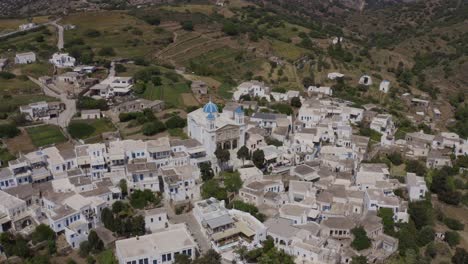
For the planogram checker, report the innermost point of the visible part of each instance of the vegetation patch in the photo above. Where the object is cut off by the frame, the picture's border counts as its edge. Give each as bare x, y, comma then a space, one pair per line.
45, 135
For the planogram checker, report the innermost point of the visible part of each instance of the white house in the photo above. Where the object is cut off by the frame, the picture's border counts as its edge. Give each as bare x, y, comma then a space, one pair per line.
365, 80
320, 90
335, 75
253, 89
62, 60
156, 219
91, 114
384, 86
159, 247
26, 26
25, 58
416, 186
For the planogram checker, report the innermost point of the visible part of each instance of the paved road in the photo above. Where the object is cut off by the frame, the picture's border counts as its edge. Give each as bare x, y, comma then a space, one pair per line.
70, 105
60, 41
17, 31
192, 225
112, 70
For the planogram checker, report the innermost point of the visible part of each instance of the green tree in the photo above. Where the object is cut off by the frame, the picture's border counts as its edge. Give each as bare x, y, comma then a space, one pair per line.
106, 51
241, 251
210, 257
232, 181
42, 233
296, 102
182, 259
152, 128
387, 220
95, 243
258, 158
140, 199
230, 28
9, 131
222, 155
243, 153
452, 238
107, 218
206, 171
460, 256
360, 241
359, 260
85, 249
176, 122
123, 187
275, 256
425, 235
211, 188
431, 250
421, 213
187, 25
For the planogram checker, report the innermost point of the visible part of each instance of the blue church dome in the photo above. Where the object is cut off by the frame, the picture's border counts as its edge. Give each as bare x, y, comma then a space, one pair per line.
210, 108
210, 116
239, 110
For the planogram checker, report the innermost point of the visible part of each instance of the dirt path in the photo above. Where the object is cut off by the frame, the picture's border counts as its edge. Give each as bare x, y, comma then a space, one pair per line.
60, 41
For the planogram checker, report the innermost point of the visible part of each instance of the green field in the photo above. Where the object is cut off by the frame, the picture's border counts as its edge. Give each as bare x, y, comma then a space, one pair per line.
169, 92
90, 128
42, 41
5, 156
127, 35
45, 135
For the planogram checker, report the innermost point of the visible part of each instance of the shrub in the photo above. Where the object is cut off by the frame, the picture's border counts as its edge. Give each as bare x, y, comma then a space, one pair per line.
120, 68
176, 122
152, 128
7, 75
9, 131
453, 224
92, 33
452, 238
80, 130
361, 241
106, 51
187, 25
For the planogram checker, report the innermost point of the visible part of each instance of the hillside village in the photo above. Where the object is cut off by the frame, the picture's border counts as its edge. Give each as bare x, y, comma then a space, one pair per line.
115, 158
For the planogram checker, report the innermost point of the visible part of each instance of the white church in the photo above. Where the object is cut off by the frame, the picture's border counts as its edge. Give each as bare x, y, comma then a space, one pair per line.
213, 129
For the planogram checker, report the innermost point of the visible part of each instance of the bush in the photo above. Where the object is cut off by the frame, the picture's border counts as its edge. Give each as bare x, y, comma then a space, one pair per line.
90, 103
452, 238
187, 25
152, 128
361, 241
395, 158
176, 122
80, 130
42, 233
9, 131
120, 68
92, 33
140, 199
230, 28
106, 51
454, 224
7, 75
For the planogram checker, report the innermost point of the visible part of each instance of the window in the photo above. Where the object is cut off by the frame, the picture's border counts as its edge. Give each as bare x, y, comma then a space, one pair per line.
169, 257
189, 252
164, 258
159, 218
154, 262
145, 261
140, 261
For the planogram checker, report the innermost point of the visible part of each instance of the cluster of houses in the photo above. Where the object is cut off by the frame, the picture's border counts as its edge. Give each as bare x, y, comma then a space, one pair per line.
40, 111
316, 185
68, 186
